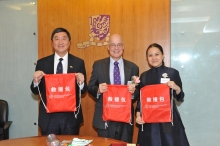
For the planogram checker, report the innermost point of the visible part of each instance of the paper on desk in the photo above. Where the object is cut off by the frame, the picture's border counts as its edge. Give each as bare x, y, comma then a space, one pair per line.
80, 142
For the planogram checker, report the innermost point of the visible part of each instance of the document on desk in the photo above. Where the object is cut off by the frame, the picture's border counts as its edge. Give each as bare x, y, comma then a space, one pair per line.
123, 144
80, 142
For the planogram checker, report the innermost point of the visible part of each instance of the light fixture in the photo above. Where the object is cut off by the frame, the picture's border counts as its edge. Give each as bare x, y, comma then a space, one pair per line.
33, 3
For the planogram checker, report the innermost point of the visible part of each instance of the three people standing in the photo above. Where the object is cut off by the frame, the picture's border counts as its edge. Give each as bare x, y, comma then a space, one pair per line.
153, 134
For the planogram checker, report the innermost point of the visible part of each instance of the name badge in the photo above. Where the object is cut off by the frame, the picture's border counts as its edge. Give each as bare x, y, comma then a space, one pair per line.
164, 80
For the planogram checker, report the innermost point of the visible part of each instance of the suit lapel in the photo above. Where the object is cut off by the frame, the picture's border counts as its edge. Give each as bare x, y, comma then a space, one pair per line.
105, 67
51, 64
70, 64
127, 72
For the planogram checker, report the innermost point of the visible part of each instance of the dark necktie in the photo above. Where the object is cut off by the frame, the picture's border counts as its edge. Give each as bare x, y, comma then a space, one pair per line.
117, 78
60, 66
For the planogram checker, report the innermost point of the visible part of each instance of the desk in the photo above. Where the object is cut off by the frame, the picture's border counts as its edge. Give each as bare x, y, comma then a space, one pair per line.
41, 140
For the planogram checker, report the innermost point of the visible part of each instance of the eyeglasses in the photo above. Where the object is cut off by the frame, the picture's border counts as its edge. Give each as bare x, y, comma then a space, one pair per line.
112, 46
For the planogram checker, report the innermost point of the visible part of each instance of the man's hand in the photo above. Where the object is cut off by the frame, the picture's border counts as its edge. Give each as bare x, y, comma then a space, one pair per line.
131, 88
80, 78
102, 88
38, 75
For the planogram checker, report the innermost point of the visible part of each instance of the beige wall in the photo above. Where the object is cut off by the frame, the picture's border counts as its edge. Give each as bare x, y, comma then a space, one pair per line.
139, 22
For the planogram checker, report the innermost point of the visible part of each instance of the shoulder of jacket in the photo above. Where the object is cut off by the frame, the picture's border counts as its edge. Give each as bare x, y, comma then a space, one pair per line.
102, 60
172, 70
129, 62
74, 57
46, 58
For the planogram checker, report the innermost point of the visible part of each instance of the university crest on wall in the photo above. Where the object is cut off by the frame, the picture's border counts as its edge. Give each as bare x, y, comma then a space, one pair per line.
99, 31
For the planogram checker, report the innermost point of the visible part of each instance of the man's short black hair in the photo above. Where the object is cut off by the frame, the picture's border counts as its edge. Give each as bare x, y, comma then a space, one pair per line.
60, 29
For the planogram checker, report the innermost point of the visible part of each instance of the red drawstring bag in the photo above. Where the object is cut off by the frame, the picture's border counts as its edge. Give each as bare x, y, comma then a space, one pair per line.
60, 92
117, 104
155, 103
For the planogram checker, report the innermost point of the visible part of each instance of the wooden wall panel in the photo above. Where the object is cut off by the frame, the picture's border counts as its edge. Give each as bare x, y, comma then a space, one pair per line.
140, 22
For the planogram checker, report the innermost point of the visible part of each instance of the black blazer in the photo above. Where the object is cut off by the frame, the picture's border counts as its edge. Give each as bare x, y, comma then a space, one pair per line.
46, 65
100, 74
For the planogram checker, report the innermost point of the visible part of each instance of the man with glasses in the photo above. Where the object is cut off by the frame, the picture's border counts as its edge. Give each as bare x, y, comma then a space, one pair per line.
102, 75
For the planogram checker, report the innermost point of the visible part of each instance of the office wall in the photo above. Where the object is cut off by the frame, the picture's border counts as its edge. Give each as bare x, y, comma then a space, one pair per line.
139, 22
194, 38
18, 52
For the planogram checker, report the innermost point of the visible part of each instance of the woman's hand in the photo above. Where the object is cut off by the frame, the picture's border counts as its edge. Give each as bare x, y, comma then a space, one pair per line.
174, 86
139, 118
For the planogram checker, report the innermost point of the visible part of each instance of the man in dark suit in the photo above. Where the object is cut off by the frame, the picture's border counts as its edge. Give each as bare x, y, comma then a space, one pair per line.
102, 75
60, 122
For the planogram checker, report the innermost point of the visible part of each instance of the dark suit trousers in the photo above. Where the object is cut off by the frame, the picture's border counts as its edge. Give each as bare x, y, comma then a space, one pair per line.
59, 125
117, 130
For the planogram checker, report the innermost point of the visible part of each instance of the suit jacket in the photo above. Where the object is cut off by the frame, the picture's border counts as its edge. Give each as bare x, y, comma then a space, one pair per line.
100, 74
46, 65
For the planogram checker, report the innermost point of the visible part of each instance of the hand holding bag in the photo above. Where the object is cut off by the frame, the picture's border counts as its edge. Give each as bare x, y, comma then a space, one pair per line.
60, 92
117, 104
